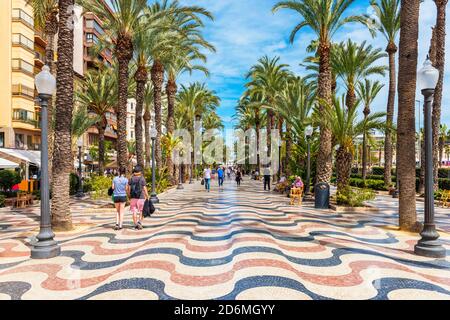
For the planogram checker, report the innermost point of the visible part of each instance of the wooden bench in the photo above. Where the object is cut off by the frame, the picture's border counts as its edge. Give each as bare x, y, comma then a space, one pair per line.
23, 200
296, 195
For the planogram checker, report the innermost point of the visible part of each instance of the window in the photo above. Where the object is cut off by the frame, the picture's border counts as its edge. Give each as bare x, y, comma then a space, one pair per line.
21, 90
19, 141
30, 142
23, 115
22, 65
20, 15
2, 139
91, 38
132, 134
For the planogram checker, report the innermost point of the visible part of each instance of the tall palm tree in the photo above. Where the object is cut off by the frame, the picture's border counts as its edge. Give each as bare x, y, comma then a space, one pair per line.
62, 153
324, 17
443, 136
367, 92
407, 75
388, 24
353, 62
268, 78
122, 24
45, 13
439, 63
148, 106
98, 94
345, 128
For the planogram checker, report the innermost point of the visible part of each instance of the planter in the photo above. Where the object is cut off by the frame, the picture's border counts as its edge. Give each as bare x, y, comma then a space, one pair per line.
366, 208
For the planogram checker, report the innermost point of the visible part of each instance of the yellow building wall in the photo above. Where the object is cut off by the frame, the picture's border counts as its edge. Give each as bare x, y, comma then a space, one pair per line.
5, 66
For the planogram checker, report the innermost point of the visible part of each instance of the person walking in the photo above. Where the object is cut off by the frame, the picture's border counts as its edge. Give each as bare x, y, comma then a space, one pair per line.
238, 177
137, 191
220, 176
207, 178
119, 186
267, 177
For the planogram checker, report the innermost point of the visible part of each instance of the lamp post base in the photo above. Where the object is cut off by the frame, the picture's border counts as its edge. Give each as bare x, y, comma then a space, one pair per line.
154, 198
79, 194
395, 194
45, 250
430, 249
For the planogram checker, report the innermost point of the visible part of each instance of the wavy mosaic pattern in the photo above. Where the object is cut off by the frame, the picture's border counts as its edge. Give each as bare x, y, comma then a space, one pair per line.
228, 244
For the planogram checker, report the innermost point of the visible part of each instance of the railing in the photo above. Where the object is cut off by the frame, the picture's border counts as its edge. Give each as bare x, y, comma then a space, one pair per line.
20, 40
21, 90
20, 15
22, 65
24, 116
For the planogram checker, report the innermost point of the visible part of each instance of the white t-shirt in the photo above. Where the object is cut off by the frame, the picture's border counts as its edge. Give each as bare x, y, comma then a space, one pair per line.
207, 173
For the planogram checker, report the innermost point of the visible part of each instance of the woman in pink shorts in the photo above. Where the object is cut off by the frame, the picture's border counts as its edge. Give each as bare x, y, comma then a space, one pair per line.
137, 192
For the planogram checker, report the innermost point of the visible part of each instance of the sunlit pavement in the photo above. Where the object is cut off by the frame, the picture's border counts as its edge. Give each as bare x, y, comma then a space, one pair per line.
231, 243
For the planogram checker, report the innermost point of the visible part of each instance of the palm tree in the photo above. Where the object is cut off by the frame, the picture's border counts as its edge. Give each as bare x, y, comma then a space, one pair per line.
324, 17
345, 129
268, 78
443, 135
62, 153
367, 92
148, 105
45, 14
439, 63
353, 62
407, 75
98, 95
122, 24
388, 24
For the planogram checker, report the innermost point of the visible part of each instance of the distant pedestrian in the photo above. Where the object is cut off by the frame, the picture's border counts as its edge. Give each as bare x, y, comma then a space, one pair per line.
229, 173
119, 186
137, 190
207, 178
220, 175
267, 174
238, 177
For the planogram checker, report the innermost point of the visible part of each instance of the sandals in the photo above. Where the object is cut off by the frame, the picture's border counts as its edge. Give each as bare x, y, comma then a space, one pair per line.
138, 226
117, 228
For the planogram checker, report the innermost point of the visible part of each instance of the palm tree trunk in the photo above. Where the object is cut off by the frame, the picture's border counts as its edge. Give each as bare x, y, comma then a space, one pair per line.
422, 168
157, 75
324, 158
148, 145
101, 149
343, 168
407, 75
171, 91
280, 131
364, 157
439, 64
62, 154
258, 128
288, 149
140, 77
124, 53
391, 50
270, 122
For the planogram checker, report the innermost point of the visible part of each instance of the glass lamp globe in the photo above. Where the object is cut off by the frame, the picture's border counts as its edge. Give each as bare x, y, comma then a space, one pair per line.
45, 82
80, 142
309, 131
428, 76
153, 133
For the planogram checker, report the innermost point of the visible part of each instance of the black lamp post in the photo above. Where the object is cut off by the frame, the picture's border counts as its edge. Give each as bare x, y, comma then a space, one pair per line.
46, 247
180, 182
153, 196
190, 167
80, 193
429, 245
308, 134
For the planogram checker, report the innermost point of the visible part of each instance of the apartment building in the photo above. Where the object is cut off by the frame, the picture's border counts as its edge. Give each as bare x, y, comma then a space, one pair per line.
21, 54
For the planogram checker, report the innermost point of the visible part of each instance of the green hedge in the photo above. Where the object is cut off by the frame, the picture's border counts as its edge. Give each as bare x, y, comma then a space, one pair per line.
2, 201
369, 183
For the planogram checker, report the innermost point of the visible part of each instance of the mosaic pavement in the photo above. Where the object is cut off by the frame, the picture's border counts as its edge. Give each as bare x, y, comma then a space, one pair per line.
228, 244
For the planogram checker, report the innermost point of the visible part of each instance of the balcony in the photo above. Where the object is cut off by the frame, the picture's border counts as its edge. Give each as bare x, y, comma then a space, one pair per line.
18, 15
24, 116
39, 59
22, 91
39, 38
19, 40
20, 65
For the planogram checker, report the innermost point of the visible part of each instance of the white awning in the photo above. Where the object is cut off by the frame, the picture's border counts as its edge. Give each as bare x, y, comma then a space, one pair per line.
18, 155
6, 164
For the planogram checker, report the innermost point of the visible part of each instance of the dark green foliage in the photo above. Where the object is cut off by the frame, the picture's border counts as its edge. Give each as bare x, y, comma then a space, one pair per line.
354, 197
74, 183
8, 179
2, 201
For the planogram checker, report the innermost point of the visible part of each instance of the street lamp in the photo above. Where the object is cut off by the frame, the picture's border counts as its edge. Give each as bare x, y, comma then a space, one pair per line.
429, 245
153, 135
190, 166
45, 247
80, 193
180, 181
308, 134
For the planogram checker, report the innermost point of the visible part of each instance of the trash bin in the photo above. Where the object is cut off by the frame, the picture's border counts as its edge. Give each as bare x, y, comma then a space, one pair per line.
322, 195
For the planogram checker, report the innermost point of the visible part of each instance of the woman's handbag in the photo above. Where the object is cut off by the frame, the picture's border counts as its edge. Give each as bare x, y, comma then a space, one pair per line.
110, 191
203, 182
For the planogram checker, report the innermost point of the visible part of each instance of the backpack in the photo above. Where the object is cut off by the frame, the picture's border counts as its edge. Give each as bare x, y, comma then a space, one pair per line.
136, 188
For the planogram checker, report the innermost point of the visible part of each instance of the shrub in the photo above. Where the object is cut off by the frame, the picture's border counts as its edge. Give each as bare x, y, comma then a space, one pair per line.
369, 183
8, 179
161, 180
2, 201
99, 186
74, 182
354, 197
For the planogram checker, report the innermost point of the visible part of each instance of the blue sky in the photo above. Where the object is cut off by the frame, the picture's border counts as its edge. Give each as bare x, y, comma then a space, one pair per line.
245, 30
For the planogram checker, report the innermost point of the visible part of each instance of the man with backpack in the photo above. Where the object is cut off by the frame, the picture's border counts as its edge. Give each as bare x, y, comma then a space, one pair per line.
137, 192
